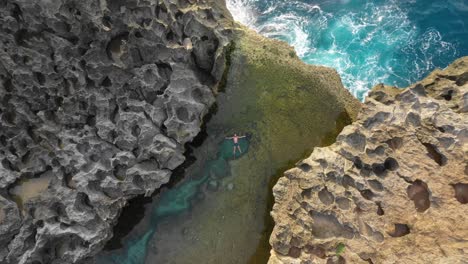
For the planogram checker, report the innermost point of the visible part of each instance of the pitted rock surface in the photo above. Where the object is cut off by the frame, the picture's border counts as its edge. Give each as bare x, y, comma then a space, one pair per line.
392, 189
97, 99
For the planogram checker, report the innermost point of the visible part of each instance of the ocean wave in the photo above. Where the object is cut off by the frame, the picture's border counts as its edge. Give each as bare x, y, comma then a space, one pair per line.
243, 11
368, 42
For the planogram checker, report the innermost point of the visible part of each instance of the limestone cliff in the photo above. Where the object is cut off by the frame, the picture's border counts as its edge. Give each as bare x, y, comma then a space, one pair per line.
97, 99
392, 189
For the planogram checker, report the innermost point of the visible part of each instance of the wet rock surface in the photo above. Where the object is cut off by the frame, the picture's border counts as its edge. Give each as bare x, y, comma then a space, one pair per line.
392, 189
97, 99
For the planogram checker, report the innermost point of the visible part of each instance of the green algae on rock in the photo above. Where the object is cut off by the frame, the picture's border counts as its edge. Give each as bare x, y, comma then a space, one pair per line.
287, 108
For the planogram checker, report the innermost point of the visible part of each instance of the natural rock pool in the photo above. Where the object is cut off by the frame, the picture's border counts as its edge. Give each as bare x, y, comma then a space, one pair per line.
219, 211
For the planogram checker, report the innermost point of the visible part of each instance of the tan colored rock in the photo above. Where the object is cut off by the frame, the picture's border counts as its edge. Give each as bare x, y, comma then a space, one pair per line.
392, 189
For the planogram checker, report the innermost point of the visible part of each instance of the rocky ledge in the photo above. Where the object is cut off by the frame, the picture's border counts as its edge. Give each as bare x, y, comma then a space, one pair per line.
392, 189
97, 99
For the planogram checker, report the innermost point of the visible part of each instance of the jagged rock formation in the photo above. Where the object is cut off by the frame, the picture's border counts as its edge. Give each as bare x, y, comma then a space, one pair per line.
97, 99
392, 189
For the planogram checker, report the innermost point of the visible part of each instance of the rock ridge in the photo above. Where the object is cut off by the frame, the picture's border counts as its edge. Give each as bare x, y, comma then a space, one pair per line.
392, 189
97, 99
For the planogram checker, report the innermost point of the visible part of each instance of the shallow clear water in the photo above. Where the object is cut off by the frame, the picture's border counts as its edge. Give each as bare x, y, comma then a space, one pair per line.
219, 210
206, 176
395, 42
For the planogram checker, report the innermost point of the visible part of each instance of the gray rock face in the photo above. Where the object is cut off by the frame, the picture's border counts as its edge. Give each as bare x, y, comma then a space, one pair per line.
97, 99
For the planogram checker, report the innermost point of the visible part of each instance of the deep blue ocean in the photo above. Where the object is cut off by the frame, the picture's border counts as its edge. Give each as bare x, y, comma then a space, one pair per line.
396, 42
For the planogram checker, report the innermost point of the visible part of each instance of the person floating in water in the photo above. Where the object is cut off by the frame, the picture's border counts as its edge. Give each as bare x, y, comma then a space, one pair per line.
236, 147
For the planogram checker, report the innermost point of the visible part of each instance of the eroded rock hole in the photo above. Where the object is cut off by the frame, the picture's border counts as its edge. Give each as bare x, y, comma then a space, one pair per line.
327, 225
391, 164
82, 201
379, 169
294, 252
138, 34
326, 197
364, 257
331, 176
170, 36
115, 48
400, 230
418, 192
357, 163
8, 85
447, 95
380, 210
106, 82
367, 194
336, 260
16, 12
9, 117
435, 154
348, 181
106, 21
462, 79
183, 114
395, 143
356, 140
304, 167
165, 70
91, 120
8, 165
21, 37
461, 192
366, 170
197, 95
178, 15
68, 179
318, 251
40, 78
120, 171
3, 140
136, 130
376, 185
343, 203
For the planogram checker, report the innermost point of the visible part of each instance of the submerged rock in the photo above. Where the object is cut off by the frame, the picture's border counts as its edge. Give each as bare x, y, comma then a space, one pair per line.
97, 99
392, 189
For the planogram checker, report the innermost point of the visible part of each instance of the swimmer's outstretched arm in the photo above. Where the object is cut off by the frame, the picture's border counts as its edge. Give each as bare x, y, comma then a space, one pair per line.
242, 136
229, 137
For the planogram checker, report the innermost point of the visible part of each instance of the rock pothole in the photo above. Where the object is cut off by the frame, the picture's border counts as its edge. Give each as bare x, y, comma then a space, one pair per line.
395, 143
327, 226
461, 192
294, 252
316, 250
391, 164
434, 153
400, 230
418, 192
326, 197
380, 210
367, 194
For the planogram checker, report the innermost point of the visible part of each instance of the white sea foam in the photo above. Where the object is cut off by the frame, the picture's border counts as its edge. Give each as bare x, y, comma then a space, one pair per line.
243, 12
377, 43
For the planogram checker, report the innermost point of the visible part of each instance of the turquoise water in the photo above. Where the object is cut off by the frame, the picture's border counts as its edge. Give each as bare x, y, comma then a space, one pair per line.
395, 42
175, 201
